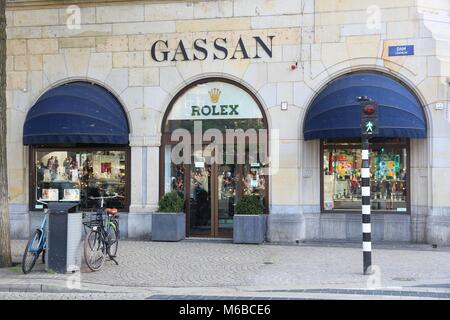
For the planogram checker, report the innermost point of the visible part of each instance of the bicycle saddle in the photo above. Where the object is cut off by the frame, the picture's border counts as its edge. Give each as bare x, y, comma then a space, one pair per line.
111, 211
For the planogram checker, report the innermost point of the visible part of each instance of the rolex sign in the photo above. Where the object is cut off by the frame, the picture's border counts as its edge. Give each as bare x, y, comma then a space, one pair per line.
215, 100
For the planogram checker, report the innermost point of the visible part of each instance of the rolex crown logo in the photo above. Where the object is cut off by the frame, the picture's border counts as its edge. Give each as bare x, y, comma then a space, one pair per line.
214, 94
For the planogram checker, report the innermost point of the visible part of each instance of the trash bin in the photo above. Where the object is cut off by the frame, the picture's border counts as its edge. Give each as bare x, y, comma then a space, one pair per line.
64, 237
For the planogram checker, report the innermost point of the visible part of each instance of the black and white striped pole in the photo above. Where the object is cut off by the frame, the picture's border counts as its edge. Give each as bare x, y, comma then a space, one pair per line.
369, 128
365, 195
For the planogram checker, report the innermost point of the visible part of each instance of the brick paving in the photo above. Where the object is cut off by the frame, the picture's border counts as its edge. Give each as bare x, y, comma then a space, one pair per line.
193, 268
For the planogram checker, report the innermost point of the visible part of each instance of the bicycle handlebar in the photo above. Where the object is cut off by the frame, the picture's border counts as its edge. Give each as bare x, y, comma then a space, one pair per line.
116, 195
40, 201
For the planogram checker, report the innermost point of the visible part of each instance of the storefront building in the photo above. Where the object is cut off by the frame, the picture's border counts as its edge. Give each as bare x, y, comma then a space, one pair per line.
99, 94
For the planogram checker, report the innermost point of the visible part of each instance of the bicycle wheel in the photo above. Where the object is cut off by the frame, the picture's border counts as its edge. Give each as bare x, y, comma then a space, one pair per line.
32, 252
113, 240
94, 250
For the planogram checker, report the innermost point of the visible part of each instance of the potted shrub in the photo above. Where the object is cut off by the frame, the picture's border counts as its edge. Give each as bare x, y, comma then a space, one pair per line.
249, 222
169, 223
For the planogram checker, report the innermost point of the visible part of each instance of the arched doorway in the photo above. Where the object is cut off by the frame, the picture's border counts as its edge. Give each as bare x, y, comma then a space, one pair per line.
214, 143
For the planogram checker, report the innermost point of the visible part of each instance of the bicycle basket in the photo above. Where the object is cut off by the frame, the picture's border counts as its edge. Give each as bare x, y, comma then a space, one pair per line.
96, 219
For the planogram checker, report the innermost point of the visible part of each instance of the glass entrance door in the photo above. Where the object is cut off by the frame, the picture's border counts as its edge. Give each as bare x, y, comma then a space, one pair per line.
228, 192
214, 191
200, 199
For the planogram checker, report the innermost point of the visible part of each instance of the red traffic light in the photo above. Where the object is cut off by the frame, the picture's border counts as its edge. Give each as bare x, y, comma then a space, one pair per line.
369, 109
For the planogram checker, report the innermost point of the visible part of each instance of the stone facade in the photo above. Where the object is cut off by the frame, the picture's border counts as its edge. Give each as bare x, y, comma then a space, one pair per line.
327, 38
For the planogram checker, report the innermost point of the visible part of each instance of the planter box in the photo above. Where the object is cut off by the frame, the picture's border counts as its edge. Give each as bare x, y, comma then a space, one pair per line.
249, 228
168, 226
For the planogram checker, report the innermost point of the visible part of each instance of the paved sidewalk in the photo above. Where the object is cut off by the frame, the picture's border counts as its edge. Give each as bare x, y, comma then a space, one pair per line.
192, 269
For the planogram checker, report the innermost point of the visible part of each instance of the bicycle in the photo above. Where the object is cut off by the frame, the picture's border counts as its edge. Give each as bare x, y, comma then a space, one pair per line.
36, 245
103, 238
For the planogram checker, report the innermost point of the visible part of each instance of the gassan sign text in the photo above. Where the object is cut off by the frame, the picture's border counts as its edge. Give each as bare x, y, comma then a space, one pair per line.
160, 51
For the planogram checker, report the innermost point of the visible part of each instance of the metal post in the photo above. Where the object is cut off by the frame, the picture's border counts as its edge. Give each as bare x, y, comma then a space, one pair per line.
365, 193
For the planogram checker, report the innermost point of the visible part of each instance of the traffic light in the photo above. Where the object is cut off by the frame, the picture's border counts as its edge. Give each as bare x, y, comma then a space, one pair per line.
369, 117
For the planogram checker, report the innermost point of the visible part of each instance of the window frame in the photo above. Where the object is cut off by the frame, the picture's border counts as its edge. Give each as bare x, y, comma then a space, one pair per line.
32, 172
353, 144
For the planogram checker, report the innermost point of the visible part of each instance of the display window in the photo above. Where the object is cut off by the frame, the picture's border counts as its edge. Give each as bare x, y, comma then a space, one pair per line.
341, 175
72, 174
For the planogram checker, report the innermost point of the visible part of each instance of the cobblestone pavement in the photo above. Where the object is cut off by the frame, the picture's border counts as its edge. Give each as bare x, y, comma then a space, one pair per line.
198, 268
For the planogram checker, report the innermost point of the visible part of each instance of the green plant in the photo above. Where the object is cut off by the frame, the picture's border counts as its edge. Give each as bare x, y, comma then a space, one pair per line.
249, 204
171, 202
16, 267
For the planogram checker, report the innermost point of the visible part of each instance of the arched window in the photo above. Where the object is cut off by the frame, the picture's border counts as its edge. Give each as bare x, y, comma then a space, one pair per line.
334, 116
78, 138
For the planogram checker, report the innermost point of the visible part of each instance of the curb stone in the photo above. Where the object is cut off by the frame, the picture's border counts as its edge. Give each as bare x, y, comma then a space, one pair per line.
43, 288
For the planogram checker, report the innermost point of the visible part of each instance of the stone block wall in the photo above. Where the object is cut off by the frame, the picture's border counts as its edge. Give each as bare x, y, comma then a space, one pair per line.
325, 37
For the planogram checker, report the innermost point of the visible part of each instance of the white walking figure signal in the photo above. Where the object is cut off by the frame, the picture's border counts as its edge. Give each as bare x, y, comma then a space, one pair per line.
369, 126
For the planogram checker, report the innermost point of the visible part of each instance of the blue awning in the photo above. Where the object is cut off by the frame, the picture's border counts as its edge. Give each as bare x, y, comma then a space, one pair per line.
76, 113
336, 113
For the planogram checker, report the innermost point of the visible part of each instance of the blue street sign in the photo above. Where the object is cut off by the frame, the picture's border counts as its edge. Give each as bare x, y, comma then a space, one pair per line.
401, 50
